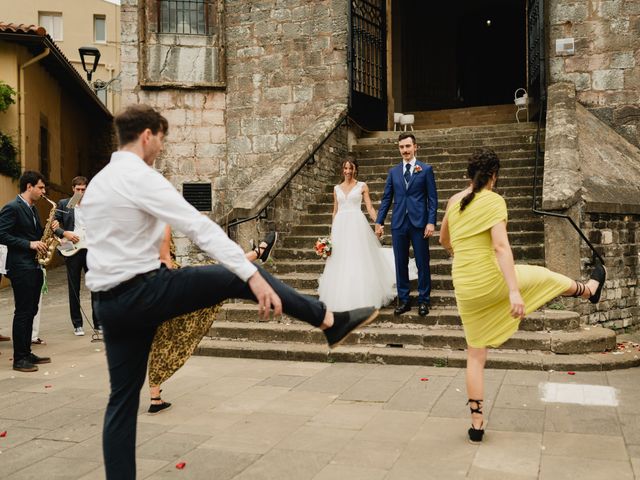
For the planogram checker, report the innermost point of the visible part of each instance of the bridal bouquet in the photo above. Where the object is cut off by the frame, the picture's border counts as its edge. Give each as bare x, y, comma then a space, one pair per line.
323, 247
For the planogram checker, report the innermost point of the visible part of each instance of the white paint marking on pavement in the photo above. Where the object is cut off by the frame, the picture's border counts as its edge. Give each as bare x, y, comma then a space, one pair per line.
596, 395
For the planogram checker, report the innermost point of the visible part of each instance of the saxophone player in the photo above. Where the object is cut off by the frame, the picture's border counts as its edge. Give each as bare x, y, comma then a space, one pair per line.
21, 231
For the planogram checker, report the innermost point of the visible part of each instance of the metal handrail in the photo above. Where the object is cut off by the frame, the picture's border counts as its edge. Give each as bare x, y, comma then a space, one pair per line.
541, 116
310, 161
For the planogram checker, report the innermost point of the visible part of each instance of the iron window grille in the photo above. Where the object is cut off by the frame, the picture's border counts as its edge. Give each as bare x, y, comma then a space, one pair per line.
185, 17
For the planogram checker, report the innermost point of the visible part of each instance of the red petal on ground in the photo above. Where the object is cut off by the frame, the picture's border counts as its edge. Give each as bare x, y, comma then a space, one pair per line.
3, 434
571, 373
48, 386
424, 379
181, 465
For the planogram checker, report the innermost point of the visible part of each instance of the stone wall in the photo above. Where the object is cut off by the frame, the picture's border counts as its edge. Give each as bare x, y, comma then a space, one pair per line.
592, 174
616, 237
605, 67
195, 149
286, 62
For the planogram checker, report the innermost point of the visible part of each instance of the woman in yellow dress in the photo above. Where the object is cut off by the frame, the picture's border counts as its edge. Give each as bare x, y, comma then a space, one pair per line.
492, 293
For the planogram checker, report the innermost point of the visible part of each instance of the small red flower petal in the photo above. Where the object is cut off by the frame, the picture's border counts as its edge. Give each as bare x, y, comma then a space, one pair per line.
3, 434
181, 465
48, 386
571, 373
424, 379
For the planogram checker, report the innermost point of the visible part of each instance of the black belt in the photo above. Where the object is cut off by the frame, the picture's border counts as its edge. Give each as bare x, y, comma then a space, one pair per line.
126, 285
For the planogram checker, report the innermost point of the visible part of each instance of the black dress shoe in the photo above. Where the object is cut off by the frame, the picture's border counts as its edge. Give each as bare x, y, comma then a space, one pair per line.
24, 365
423, 310
36, 360
346, 322
400, 309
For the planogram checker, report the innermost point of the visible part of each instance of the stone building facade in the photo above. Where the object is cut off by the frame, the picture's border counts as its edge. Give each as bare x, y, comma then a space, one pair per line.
264, 85
605, 65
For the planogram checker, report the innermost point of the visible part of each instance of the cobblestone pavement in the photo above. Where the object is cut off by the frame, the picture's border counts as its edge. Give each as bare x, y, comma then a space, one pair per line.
257, 419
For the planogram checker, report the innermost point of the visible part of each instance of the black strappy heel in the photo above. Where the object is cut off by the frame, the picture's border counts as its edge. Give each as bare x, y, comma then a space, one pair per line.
476, 434
599, 274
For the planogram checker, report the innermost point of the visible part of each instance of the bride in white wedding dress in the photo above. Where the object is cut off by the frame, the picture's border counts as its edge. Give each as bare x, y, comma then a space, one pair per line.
359, 272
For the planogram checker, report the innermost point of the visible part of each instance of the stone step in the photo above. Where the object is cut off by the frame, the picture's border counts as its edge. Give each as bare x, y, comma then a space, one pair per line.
447, 317
445, 161
513, 197
484, 129
515, 215
376, 190
515, 238
283, 267
448, 149
425, 136
501, 359
446, 183
309, 281
522, 253
308, 228
525, 138
367, 172
579, 341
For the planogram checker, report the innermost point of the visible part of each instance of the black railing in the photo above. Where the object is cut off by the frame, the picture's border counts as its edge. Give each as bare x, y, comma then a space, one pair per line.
310, 161
534, 206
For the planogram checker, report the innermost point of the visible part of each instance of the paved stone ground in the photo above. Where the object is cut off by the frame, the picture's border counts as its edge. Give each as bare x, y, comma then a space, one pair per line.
254, 419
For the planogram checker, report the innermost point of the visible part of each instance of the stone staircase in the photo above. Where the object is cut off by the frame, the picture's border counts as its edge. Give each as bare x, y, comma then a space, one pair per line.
547, 339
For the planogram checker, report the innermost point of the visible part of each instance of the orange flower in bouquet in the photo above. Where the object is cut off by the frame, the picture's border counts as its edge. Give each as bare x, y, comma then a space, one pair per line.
323, 247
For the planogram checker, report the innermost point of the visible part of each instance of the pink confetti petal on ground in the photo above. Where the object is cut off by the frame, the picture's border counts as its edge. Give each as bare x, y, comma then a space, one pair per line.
571, 373
181, 465
424, 379
3, 434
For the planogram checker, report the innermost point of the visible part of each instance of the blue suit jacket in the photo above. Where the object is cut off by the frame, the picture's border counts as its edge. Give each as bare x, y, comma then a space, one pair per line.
17, 229
418, 200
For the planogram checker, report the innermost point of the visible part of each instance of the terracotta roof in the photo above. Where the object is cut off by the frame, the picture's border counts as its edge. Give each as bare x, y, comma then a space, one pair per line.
34, 37
22, 28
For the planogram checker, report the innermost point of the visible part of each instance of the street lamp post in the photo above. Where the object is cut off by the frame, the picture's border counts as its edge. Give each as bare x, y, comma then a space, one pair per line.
86, 53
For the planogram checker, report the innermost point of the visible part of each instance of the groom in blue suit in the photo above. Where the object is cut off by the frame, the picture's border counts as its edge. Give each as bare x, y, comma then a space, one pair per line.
412, 187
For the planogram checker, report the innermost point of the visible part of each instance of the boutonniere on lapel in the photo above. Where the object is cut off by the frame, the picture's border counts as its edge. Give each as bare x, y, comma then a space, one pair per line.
417, 169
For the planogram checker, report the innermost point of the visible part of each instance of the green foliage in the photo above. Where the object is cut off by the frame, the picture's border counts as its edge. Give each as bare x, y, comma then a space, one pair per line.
9, 164
7, 95
557, 306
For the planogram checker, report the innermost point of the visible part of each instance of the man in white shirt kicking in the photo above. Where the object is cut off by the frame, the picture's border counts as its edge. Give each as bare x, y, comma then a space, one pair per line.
126, 207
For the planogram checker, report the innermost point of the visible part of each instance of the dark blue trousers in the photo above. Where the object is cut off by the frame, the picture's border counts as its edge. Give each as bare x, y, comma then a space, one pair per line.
26, 285
402, 238
130, 314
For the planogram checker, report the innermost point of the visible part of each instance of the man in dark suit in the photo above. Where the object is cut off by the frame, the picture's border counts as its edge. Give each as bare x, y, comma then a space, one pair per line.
412, 187
69, 230
21, 231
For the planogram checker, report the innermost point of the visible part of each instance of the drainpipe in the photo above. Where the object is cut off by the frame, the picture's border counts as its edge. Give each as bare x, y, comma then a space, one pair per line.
21, 108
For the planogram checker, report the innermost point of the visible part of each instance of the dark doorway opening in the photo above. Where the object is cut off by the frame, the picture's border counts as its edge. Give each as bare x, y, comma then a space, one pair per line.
457, 53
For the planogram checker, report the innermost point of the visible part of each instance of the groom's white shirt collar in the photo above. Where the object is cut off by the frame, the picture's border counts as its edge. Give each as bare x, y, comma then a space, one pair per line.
412, 162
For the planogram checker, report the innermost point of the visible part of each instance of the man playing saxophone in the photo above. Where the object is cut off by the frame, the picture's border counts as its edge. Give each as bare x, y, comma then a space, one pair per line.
21, 231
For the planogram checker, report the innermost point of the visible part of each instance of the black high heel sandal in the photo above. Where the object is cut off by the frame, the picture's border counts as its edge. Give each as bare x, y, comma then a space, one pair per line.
599, 274
263, 253
476, 434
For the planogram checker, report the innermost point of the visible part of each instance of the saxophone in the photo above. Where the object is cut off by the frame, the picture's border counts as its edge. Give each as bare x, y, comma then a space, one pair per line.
48, 237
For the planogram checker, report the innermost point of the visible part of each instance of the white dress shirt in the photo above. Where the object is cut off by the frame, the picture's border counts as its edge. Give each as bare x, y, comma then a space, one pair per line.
413, 165
125, 209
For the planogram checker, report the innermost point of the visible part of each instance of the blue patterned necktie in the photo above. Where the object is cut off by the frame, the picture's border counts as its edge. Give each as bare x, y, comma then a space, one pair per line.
407, 173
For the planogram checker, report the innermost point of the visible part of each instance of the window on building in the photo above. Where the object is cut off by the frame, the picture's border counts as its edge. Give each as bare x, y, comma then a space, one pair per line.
102, 95
183, 16
45, 164
52, 22
100, 29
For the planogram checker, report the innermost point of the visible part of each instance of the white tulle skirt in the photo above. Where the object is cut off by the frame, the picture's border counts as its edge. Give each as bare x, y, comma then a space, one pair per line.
359, 272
